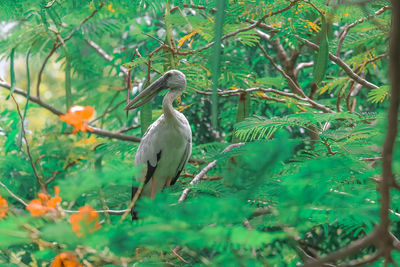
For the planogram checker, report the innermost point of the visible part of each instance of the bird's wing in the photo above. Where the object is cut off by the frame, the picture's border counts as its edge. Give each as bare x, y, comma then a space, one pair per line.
184, 160
147, 153
150, 148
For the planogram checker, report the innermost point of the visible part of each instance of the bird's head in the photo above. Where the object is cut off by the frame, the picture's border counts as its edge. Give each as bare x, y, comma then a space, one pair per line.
172, 79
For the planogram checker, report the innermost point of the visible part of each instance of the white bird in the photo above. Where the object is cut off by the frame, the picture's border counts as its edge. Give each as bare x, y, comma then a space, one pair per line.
167, 144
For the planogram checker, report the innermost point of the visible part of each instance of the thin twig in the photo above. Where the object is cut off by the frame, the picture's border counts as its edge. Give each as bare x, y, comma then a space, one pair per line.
175, 251
82, 22
292, 84
341, 64
39, 79
20, 200
345, 31
311, 103
28, 151
254, 24
203, 172
104, 55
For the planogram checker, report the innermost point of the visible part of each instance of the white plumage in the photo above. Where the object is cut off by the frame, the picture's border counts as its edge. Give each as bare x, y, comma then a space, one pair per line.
167, 144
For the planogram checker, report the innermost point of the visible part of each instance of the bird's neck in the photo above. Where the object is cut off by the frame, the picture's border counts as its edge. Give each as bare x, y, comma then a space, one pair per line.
169, 111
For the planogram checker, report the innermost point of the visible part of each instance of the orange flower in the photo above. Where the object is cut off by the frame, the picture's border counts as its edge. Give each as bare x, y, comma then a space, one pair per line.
66, 259
78, 117
86, 221
44, 203
3, 207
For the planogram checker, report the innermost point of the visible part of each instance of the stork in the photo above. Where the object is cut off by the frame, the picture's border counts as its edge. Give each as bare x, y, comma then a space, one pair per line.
166, 146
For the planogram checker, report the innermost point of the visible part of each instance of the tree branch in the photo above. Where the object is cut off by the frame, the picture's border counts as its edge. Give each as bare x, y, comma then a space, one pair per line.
96, 131
362, 262
381, 236
341, 64
20, 200
345, 31
39, 79
347, 251
236, 92
302, 65
388, 178
292, 84
203, 172
104, 55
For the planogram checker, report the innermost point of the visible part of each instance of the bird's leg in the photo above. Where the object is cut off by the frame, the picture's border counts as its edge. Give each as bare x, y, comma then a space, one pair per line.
153, 187
168, 182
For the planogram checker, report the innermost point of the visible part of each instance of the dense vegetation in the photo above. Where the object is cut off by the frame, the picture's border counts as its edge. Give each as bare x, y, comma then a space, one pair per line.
289, 104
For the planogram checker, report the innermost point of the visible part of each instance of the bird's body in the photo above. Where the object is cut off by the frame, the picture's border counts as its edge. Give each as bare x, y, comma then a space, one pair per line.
167, 144
167, 149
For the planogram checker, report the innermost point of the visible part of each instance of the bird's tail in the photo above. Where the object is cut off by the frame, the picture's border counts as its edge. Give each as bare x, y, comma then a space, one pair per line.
133, 212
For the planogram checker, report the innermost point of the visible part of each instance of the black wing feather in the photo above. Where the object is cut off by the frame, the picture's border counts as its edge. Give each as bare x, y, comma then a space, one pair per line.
149, 174
151, 169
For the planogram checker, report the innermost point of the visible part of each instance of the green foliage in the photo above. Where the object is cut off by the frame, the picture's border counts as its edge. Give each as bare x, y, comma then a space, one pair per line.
303, 182
379, 95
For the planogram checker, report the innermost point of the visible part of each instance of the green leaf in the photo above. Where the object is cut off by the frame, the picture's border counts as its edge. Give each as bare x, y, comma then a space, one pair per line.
321, 62
378, 95
68, 94
12, 73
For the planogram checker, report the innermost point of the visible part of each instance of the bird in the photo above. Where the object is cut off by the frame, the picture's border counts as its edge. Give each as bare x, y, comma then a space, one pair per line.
166, 146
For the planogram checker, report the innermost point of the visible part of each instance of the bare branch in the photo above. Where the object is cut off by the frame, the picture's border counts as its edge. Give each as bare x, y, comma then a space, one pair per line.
97, 131
362, 262
20, 200
39, 80
203, 172
82, 22
296, 89
310, 102
104, 55
302, 65
341, 64
344, 32
349, 250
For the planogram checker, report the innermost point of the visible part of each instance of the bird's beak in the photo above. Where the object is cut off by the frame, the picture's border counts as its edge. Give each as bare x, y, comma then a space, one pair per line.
147, 94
